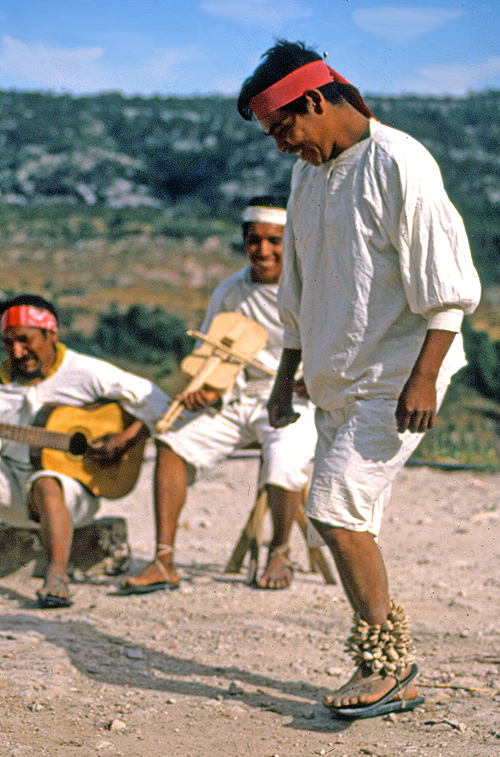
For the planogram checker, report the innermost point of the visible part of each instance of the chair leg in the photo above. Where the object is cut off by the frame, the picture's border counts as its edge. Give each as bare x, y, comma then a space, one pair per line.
250, 540
250, 537
317, 560
260, 508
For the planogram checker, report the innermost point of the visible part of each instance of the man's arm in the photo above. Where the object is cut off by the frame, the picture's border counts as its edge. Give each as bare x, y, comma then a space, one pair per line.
280, 401
416, 410
109, 448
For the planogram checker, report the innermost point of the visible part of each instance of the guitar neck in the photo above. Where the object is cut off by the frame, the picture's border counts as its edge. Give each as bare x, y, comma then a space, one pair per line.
35, 436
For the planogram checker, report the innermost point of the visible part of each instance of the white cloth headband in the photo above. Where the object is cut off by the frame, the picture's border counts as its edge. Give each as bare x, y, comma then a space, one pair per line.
261, 214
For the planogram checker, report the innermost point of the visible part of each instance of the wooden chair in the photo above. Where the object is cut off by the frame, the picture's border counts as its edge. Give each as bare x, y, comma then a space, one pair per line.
250, 539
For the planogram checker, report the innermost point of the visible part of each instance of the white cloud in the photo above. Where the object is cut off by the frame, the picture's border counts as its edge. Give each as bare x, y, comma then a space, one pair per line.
402, 24
84, 70
162, 68
460, 78
51, 67
256, 12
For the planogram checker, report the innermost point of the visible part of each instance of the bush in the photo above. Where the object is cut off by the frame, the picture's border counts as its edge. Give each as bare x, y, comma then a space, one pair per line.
483, 356
143, 335
147, 341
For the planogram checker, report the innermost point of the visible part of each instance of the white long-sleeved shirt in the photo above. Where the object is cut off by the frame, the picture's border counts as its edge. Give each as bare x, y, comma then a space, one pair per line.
77, 380
375, 254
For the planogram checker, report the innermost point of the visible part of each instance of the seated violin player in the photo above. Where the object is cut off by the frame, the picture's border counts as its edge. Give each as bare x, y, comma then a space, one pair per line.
200, 444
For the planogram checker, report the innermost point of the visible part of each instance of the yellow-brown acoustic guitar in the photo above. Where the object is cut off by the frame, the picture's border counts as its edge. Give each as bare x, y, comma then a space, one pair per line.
60, 439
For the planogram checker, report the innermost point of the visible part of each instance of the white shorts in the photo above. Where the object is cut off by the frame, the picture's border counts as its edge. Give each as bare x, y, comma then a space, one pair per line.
15, 485
211, 436
359, 452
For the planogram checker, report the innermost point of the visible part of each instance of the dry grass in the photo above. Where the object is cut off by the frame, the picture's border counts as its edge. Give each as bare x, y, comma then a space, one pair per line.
140, 265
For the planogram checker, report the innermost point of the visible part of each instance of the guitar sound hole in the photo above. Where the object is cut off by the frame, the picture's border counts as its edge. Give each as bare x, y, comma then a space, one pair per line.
78, 444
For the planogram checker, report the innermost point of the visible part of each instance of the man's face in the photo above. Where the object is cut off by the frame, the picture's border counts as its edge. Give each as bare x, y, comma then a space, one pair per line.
31, 351
310, 135
264, 247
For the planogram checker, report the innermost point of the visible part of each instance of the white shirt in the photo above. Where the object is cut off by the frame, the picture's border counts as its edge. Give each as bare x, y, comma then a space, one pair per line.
375, 254
240, 294
79, 380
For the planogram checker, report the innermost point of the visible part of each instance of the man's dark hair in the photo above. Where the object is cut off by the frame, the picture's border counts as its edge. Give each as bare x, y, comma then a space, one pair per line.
268, 201
29, 299
278, 62
264, 201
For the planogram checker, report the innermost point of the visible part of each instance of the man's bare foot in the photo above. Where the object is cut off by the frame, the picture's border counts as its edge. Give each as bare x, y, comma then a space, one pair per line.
278, 573
159, 574
55, 591
365, 688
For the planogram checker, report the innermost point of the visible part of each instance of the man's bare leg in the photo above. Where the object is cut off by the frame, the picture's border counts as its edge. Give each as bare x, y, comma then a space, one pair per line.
56, 534
364, 578
170, 489
284, 506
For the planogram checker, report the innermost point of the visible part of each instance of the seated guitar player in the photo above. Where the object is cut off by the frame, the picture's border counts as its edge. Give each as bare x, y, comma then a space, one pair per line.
242, 419
39, 370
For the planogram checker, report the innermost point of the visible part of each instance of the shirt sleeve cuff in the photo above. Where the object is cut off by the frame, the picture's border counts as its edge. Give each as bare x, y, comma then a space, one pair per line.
446, 320
291, 342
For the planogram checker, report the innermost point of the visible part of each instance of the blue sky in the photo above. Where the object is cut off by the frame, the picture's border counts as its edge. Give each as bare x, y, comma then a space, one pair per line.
444, 47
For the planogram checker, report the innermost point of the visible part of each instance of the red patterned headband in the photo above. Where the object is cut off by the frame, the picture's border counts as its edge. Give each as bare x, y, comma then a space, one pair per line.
28, 315
293, 85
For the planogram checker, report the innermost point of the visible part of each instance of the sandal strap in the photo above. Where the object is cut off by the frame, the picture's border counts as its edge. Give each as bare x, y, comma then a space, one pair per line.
57, 580
162, 550
163, 570
281, 551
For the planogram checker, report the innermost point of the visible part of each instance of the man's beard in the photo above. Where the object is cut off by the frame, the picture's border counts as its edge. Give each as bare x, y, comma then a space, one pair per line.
27, 375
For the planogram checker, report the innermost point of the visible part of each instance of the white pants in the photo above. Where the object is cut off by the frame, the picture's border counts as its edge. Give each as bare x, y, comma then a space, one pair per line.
359, 452
15, 485
211, 436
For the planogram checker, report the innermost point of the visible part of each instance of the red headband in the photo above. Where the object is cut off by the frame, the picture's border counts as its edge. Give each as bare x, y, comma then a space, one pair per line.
28, 315
293, 85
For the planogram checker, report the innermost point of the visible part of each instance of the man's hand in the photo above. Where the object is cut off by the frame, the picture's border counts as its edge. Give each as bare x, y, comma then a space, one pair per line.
198, 400
281, 412
417, 405
300, 388
109, 449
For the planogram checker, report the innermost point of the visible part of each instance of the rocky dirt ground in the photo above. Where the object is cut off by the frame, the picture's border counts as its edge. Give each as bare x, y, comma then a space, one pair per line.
217, 669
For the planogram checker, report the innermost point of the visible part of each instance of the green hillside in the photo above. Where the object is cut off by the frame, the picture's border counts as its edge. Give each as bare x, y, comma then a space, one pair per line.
197, 158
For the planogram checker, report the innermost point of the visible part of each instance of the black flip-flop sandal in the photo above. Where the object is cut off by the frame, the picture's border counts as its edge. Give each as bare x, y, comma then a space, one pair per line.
51, 601
385, 705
